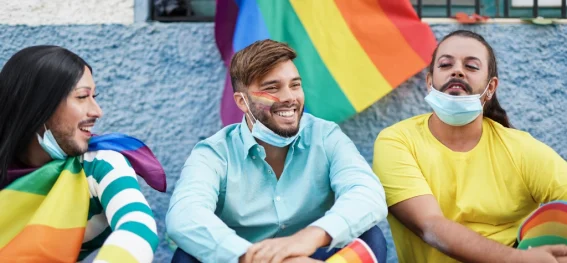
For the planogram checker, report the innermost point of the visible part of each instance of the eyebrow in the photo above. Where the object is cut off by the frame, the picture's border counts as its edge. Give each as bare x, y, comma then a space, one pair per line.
83, 87
466, 58
269, 82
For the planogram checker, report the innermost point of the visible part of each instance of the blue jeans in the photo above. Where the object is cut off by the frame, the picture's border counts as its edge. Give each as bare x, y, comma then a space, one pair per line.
374, 238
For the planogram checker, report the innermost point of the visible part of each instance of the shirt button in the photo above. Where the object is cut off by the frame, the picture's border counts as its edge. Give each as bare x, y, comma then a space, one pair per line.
254, 157
278, 198
269, 171
282, 226
258, 148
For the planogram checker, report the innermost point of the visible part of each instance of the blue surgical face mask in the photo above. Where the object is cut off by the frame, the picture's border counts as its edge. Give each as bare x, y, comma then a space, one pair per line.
49, 144
455, 110
263, 133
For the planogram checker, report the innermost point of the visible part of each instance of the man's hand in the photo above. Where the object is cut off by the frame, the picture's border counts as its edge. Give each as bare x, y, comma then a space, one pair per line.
301, 245
543, 254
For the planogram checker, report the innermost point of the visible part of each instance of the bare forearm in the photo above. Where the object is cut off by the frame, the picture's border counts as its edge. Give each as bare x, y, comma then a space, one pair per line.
465, 245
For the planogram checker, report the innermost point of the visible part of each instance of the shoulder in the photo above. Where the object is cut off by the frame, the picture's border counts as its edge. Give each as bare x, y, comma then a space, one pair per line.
102, 162
520, 144
406, 130
513, 138
313, 126
223, 136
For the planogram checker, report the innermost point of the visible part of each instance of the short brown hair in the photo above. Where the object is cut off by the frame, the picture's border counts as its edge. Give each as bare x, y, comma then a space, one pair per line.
256, 60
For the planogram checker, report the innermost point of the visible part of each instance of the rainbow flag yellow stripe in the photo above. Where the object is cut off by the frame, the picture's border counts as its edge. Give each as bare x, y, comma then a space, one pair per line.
46, 214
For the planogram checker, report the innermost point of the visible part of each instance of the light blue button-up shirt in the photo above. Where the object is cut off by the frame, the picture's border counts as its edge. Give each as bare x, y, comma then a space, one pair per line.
228, 196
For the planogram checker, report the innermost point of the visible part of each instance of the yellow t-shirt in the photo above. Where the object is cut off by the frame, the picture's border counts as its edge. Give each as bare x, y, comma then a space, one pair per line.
489, 189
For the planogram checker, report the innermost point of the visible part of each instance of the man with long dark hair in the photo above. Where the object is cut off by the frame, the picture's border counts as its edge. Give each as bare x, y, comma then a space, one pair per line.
460, 181
65, 194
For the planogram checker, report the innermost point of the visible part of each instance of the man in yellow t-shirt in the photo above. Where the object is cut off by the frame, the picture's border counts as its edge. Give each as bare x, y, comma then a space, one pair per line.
459, 183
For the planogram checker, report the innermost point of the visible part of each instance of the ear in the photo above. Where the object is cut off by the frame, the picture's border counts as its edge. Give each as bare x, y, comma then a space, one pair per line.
492, 87
429, 81
239, 100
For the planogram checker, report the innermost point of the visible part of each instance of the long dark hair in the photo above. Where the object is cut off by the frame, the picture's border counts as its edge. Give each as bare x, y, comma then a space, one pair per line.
32, 84
492, 108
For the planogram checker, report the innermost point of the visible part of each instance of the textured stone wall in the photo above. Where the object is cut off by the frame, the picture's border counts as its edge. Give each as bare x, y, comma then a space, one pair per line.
57, 12
162, 83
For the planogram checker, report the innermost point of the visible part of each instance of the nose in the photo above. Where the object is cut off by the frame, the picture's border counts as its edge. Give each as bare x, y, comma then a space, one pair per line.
287, 95
458, 72
95, 111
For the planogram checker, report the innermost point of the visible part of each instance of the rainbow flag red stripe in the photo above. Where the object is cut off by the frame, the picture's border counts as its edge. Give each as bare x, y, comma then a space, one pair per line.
350, 53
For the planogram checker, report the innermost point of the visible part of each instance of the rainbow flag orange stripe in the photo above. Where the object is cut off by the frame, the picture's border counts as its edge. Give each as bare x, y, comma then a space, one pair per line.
350, 53
45, 214
356, 252
545, 226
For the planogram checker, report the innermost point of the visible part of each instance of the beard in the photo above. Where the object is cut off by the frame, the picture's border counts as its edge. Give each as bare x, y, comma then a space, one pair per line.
266, 119
65, 138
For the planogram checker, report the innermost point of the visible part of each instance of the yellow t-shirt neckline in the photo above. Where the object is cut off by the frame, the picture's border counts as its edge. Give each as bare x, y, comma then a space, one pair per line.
445, 149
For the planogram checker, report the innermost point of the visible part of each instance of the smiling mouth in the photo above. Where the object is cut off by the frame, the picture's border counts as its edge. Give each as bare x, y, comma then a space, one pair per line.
86, 127
286, 113
456, 87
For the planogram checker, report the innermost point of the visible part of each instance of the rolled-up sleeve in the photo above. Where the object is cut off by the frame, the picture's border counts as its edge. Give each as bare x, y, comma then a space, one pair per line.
191, 222
359, 197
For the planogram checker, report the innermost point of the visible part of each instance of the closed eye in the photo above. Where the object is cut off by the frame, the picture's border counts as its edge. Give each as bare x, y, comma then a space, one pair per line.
472, 67
444, 65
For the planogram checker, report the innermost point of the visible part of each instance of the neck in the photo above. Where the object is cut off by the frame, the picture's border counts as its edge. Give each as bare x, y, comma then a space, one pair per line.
34, 155
273, 153
457, 138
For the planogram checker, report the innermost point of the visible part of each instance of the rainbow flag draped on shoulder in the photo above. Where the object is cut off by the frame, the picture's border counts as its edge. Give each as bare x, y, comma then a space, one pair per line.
45, 210
350, 52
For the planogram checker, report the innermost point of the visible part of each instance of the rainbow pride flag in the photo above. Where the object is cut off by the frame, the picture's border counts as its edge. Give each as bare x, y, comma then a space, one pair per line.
44, 214
45, 210
545, 226
350, 52
356, 252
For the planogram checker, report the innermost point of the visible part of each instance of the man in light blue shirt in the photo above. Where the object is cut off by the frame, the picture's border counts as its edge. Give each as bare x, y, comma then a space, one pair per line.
282, 186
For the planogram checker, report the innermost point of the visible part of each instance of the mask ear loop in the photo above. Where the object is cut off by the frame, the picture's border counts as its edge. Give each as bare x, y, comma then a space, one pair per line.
489, 94
248, 107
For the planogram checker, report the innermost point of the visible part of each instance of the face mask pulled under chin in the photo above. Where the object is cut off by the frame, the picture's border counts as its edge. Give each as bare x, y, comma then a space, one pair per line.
50, 145
263, 133
455, 110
